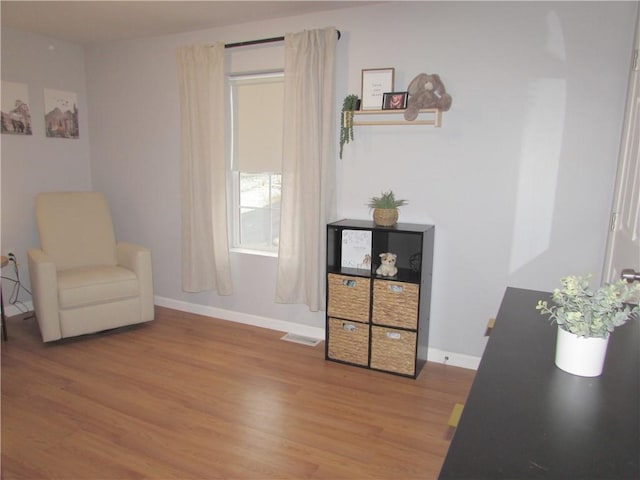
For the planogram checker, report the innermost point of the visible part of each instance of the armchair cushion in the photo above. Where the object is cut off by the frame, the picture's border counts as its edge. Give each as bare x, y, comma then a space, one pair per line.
82, 286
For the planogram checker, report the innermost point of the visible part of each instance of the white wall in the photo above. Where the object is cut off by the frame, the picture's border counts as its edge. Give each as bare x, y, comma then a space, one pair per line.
35, 163
518, 181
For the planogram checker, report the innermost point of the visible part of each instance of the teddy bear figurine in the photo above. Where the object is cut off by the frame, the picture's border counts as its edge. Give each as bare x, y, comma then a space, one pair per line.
426, 91
388, 266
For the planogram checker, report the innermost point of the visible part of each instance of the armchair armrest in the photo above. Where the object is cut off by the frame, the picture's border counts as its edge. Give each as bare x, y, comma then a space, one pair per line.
138, 260
44, 285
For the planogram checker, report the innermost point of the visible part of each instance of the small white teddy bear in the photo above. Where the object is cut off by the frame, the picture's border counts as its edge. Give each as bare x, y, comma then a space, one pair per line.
388, 266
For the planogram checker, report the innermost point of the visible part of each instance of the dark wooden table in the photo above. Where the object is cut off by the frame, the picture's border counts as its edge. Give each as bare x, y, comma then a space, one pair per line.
525, 418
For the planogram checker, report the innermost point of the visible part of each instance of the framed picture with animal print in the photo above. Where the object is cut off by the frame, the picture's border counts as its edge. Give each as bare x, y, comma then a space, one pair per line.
356, 249
16, 117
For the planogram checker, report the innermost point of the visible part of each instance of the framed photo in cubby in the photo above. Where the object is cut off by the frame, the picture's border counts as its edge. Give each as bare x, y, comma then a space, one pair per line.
356, 249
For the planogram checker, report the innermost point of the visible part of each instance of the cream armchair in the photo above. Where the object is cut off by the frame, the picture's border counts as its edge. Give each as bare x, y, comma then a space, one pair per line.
81, 279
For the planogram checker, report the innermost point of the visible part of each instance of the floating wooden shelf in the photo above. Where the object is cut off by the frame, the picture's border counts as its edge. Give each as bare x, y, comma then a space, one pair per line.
390, 117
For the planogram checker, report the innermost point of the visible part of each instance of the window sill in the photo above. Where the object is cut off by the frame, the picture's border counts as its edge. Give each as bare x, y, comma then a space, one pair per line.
248, 251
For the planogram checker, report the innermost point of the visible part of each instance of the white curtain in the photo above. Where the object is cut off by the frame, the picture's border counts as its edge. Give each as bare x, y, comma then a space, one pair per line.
308, 166
205, 248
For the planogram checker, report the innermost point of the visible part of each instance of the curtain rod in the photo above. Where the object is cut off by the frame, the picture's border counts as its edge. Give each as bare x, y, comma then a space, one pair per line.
260, 41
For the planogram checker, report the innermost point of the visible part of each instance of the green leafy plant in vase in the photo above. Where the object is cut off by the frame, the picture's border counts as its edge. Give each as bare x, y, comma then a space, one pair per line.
585, 319
385, 208
350, 103
591, 313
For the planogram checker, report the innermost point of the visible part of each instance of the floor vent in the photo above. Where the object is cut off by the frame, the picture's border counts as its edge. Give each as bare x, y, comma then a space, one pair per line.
292, 337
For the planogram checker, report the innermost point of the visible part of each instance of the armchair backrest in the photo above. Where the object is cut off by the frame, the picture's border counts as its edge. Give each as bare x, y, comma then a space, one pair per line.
75, 229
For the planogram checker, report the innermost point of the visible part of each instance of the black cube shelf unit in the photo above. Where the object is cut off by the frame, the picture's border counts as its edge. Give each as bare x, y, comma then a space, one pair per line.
373, 321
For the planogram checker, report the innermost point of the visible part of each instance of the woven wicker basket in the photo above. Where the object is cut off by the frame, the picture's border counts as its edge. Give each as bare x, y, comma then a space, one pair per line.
393, 350
385, 217
348, 341
349, 297
395, 304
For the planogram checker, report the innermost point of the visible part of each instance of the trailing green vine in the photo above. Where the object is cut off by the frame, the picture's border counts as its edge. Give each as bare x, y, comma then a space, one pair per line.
346, 122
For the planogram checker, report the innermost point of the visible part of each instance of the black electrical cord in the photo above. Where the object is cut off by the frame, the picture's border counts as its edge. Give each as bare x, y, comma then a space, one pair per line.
17, 286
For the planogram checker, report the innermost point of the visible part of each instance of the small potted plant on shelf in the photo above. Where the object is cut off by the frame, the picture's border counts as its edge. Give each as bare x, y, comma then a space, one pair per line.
585, 318
351, 103
385, 208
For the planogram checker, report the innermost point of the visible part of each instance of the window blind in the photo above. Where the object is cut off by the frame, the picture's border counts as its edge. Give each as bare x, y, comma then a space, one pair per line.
258, 105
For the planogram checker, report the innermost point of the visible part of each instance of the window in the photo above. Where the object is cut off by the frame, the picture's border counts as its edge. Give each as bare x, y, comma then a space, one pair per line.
257, 103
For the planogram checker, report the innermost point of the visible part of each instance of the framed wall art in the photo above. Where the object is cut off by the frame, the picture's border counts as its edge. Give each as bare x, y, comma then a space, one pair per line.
16, 117
375, 82
61, 114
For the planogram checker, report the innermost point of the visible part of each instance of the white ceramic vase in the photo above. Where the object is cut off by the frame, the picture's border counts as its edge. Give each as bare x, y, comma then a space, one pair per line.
579, 355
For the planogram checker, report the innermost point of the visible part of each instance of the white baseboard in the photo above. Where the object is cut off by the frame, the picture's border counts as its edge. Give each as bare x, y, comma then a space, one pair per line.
452, 358
245, 318
433, 354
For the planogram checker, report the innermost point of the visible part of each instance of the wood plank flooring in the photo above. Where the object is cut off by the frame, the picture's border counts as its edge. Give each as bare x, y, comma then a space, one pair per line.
190, 397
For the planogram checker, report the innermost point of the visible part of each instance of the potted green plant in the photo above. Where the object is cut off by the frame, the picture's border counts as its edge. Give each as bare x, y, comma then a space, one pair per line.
385, 208
585, 319
350, 103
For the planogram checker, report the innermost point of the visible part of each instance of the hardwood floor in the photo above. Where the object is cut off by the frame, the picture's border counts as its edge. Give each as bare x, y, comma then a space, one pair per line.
192, 397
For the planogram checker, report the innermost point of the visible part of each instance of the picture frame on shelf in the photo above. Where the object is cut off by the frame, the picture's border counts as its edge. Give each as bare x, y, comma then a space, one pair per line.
394, 100
356, 249
375, 82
